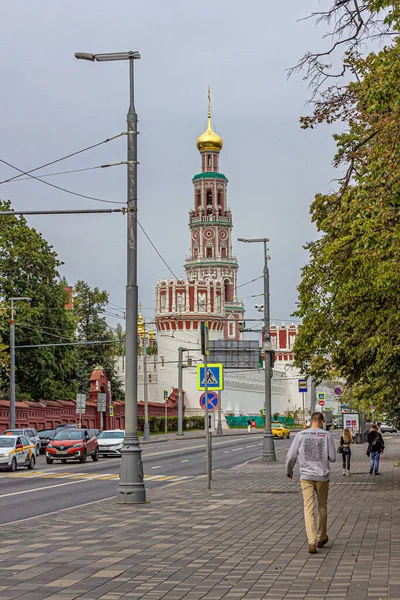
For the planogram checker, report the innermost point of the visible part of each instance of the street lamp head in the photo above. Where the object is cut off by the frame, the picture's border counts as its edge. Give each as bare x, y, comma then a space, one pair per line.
108, 56
254, 240
85, 56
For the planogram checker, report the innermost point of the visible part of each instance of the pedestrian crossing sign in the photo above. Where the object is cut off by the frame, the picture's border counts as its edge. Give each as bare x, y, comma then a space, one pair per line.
215, 377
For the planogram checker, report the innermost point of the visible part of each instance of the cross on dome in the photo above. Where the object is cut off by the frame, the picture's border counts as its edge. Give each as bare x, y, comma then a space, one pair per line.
209, 141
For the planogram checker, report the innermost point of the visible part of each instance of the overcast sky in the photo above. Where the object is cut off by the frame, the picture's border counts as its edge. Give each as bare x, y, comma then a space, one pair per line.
51, 105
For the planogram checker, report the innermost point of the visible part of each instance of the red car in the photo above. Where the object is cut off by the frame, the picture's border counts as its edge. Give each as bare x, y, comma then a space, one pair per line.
72, 444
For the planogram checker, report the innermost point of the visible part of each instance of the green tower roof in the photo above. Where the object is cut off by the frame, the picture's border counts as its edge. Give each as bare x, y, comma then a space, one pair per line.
209, 175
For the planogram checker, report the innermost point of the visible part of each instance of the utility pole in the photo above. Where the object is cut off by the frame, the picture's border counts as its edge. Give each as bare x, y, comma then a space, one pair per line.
131, 488
219, 422
180, 399
12, 361
268, 452
146, 428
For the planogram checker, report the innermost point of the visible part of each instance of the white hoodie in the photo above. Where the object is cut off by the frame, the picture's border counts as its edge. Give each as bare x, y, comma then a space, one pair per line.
315, 449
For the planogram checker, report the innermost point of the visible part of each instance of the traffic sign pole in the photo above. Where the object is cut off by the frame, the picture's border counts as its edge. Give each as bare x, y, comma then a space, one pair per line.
304, 409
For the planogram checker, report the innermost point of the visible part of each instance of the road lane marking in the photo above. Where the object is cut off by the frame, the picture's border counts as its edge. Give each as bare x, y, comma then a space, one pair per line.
252, 446
236, 449
157, 467
226, 451
187, 460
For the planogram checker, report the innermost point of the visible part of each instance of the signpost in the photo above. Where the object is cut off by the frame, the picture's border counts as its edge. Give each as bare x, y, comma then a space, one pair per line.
205, 350
213, 401
166, 396
101, 407
338, 391
303, 389
80, 406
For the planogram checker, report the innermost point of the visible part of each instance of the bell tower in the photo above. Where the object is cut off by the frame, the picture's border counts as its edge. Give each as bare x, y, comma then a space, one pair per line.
210, 224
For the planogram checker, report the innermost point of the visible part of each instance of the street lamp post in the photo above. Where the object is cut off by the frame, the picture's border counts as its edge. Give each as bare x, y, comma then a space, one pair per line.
131, 488
12, 361
268, 452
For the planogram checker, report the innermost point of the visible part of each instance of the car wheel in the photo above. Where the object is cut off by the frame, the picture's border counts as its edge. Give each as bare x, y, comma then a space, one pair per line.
64, 460
49, 461
13, 466
95, 456
31, 464
288, 435
83, 457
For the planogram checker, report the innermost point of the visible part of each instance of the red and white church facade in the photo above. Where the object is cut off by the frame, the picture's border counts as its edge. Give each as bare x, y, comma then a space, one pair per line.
209, 290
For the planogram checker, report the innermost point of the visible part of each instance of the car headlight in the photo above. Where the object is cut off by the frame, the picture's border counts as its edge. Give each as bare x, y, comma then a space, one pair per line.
5, 455
49, 445
77, 445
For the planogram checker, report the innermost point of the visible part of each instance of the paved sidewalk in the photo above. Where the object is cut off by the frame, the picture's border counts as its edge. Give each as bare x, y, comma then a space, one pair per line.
244, 539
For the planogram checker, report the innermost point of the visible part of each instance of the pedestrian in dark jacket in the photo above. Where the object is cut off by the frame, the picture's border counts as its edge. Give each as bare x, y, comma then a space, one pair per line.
345, 441
376, 446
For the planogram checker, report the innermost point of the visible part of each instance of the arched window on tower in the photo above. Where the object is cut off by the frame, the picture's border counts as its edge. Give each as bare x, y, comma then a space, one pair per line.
209, 160
223, 252
209, 252
209, 198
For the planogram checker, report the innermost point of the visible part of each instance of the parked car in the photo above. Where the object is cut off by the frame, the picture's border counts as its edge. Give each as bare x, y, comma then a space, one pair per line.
45, 436
16, 451
110, 442
28, 432
72, 444
386, 428
66, 426
280, 431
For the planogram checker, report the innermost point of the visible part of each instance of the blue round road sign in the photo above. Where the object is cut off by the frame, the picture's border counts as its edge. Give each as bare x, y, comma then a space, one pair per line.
213, 401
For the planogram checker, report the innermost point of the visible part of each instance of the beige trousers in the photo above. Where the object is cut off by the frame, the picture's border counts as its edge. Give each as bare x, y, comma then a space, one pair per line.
321, 488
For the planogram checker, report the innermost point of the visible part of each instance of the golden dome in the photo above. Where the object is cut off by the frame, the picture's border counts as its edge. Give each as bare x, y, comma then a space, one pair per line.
209, 140
152, 335
141, 329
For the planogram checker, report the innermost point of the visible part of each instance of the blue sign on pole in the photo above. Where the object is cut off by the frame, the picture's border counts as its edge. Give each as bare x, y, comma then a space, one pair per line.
302, 385
213, 401
215, 377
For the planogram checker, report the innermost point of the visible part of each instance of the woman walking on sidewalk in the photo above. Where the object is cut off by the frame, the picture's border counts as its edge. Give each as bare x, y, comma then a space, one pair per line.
376, 446
345, 442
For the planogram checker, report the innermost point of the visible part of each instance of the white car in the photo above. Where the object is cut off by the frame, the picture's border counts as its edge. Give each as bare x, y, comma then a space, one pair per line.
110, 442
16, 451
29, 433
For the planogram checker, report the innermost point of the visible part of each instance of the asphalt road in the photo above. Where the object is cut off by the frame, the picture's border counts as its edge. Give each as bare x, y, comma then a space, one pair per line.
50, 488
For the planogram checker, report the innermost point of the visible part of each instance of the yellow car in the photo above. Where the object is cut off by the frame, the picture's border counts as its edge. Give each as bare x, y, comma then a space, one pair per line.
280, 431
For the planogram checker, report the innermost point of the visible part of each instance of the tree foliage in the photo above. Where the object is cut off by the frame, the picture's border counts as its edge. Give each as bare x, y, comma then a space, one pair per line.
350, 288
29, 268
89, 309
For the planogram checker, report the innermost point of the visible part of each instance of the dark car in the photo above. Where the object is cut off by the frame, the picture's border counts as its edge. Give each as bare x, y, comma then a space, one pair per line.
72, 444
45, 436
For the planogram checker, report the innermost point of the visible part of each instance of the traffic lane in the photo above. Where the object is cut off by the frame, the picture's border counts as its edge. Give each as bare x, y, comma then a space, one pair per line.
148, 452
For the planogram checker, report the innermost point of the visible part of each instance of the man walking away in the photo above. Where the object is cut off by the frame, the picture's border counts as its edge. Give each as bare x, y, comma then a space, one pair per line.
376, 446
249, 425
316, 449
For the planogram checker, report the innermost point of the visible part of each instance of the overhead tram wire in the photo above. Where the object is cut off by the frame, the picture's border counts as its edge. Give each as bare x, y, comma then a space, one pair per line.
53, 162
57, 187
68, 172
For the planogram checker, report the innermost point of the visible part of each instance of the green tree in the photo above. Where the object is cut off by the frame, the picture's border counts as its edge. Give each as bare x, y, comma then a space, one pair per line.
89, 311
29, 268
350, 289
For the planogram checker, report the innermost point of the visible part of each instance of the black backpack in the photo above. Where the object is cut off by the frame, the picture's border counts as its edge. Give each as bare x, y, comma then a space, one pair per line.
376, 445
